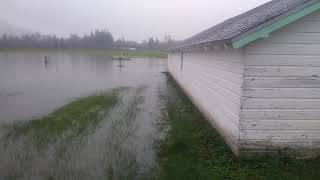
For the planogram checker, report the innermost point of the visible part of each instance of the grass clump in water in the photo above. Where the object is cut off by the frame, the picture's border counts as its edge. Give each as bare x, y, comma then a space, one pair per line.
71, 120
194, 150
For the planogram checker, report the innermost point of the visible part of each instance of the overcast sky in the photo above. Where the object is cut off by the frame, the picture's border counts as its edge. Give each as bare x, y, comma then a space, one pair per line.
131, 19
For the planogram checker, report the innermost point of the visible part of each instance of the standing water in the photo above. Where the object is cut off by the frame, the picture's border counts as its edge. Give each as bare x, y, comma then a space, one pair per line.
119, 146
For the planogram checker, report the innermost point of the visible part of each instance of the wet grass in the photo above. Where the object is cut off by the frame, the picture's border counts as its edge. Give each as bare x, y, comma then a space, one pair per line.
194, 150
91, 138
71, 120
101, 53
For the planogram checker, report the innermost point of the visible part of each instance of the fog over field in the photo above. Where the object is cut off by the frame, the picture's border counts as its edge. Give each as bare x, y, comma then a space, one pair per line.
131, 19
159, 89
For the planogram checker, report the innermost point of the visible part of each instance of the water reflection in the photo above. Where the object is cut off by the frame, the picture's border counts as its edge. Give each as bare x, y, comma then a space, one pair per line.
65, 77
118, 146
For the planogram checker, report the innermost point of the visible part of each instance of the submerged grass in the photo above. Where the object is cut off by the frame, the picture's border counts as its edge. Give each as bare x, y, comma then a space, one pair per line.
70, 120
194, 150
102, 52
91, 138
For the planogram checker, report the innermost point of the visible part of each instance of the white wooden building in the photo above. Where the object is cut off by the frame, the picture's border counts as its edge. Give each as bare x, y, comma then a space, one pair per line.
256, 78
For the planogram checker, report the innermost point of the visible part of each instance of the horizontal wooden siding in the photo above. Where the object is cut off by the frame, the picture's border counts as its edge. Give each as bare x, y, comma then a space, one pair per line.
213, 80
281, 91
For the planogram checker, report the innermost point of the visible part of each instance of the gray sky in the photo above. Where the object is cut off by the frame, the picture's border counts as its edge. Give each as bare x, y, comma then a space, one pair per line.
131, 19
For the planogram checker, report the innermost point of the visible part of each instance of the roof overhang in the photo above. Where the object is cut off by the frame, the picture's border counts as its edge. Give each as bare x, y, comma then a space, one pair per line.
261, 31
203, 44
264, 30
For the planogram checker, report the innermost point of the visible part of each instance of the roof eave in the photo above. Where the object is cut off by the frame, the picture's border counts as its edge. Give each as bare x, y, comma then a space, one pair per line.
203, 44
264, 30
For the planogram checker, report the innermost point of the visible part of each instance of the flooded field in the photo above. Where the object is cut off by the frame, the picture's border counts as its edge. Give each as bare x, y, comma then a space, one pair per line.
31, 88
101, 141
80, 117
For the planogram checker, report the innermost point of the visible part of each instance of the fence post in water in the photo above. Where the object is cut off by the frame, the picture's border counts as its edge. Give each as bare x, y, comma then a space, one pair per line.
46, 61
181, 60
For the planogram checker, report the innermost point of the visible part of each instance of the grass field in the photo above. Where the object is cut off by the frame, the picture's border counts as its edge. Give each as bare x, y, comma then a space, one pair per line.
104, 53
194, 150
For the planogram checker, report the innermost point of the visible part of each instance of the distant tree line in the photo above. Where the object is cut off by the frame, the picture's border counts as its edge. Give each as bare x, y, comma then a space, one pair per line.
99, 39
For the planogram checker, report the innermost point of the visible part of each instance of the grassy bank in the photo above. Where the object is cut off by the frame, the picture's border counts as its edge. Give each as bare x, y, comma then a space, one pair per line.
103, 53
193, 150
69, 121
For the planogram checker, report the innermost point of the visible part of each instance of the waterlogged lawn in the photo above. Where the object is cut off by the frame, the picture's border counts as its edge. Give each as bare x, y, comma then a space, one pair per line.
71, 120
132, 133
194, 150
95, 137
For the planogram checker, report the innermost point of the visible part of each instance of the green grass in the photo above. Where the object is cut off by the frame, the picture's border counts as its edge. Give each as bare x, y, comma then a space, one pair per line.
71, 120
126, 53
103, 53
194, 150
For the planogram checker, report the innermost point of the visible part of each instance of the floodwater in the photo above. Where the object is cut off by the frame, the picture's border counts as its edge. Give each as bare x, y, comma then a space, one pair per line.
31, 88
121, 146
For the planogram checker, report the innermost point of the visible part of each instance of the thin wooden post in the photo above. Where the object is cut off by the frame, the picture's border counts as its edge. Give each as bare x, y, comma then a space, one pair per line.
181, 60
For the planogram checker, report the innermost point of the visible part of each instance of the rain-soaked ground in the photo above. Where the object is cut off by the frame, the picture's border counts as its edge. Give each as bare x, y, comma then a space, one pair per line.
119, 145
82, 117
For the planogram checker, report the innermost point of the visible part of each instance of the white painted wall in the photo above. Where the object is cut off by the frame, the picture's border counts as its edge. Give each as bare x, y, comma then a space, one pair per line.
281, 91
213, 80
264, 97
